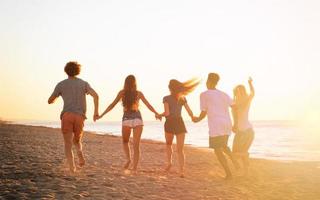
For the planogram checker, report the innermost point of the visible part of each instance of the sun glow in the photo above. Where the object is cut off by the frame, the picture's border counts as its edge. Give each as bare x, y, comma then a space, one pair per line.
156, 43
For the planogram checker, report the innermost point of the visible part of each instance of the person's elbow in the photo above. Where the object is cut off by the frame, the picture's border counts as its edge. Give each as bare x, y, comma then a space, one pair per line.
96, 97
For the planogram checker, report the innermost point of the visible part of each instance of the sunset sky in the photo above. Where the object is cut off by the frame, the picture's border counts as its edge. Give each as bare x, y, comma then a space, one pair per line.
277, 42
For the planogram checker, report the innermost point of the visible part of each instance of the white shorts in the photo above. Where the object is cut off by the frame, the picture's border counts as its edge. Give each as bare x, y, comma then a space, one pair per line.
132, 123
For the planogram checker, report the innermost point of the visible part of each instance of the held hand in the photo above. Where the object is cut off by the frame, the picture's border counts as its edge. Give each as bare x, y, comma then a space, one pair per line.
250, 80
195, 119
159, 117
235, 129
96, 117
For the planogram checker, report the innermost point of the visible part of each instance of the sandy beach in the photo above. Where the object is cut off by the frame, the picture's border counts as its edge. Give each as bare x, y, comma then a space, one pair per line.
32, 166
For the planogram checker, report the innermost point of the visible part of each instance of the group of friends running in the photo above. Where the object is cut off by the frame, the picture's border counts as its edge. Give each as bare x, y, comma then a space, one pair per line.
214, 104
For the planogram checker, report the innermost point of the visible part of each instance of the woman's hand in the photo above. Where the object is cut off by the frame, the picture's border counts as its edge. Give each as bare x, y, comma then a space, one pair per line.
195, 119
250, 80
158, 116
235, 129
99, 117
96, 117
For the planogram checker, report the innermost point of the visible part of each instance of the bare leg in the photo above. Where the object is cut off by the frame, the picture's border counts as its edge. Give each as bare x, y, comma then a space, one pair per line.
77, 141
126, 131
68, 150
246, 147
227, 151
169, 140
137, 131
245, 160
180, 148
223, 162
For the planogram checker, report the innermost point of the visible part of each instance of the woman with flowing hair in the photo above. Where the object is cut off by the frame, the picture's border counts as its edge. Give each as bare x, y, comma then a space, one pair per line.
242, 128
132, 119
174, 124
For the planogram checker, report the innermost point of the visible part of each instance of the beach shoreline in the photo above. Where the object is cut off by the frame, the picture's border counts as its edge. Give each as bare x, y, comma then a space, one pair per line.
33, 166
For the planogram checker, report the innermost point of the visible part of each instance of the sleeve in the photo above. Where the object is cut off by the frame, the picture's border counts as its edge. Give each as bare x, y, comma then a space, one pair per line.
203, 103
87, 88
57, 91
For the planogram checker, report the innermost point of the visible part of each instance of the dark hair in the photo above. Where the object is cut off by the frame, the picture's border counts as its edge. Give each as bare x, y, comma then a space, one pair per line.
72, 68
179, 89
130, 95
212, 80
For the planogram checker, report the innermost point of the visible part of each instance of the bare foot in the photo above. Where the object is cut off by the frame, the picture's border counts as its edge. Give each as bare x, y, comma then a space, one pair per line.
72, 171
126, 166
134, 171
82, 161
167, 169
236, 166
228, 177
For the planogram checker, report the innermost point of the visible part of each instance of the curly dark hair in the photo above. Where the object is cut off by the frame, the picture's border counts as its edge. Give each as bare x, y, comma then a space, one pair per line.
130, 95
72, 68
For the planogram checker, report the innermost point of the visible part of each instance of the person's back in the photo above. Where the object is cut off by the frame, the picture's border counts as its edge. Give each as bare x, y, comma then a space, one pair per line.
73, 92
217, 104
175, 105
243, 117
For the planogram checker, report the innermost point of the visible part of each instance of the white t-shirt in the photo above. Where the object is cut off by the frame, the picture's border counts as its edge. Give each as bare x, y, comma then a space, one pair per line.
217, 103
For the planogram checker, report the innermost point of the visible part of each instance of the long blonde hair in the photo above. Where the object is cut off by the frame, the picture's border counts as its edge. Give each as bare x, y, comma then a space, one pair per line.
240, 95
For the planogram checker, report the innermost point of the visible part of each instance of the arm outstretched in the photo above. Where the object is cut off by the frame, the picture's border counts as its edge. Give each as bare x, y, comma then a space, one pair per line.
190, 113
202, 115
251, 88
113, 104
146, 102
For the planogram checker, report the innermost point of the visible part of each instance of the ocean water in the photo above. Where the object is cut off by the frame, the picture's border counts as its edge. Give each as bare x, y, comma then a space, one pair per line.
275, 140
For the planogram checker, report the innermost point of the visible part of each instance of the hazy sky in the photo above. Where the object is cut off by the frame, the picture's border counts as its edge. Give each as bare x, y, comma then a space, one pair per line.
276, 42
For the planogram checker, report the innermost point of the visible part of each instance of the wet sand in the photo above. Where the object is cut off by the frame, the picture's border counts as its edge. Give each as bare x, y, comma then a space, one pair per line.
32, 166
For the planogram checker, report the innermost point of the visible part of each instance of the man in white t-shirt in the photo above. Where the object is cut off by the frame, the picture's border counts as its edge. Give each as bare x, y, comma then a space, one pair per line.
215, 104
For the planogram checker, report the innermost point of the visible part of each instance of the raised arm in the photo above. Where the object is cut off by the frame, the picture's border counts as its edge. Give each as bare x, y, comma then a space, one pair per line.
251, 88
190, 113
145, 101
113, 104
95, 96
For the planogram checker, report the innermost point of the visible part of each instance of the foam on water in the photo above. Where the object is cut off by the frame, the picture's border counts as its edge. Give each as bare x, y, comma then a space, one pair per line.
276, 140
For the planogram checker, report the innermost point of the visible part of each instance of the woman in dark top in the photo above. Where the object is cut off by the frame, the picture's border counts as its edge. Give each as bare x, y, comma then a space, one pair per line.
174, 124
132, 119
